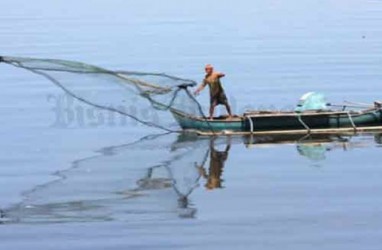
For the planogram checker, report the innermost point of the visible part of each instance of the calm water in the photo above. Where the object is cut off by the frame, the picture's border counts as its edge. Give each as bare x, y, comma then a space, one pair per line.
81, 185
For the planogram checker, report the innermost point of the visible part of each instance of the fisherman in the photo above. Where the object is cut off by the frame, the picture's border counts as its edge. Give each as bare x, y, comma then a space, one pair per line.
217, 95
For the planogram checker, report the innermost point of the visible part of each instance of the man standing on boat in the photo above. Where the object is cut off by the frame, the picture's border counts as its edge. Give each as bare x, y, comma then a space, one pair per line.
217, 95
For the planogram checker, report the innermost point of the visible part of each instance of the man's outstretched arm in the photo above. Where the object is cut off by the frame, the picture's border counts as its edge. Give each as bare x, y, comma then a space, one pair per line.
200, 88
220, 75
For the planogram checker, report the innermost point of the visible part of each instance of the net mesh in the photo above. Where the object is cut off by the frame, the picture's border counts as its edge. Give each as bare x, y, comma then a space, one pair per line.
155, 175
140, 96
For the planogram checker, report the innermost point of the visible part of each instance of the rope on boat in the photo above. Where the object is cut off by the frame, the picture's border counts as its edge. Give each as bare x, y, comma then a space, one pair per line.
251, 126
351, 121
360, 104
303, 123
377, 105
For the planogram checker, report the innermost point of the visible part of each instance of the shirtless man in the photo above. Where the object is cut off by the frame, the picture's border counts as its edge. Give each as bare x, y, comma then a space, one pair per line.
217, 95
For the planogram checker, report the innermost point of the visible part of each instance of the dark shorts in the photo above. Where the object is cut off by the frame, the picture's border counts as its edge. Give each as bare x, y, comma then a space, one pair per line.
219, 98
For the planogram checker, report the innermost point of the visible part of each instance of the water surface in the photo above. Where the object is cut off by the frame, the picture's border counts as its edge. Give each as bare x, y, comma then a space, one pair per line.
85, 186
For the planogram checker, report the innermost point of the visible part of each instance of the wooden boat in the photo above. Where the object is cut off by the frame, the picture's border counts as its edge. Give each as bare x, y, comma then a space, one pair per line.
273, 122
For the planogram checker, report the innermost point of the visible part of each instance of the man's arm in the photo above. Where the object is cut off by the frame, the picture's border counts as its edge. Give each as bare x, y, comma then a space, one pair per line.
220, 75
200, 88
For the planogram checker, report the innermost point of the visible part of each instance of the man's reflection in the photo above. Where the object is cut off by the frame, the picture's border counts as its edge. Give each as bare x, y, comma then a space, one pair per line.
217, 161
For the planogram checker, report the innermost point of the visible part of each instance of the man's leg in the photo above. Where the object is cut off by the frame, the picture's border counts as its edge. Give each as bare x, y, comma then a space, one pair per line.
228, 110
223, 100
212, 109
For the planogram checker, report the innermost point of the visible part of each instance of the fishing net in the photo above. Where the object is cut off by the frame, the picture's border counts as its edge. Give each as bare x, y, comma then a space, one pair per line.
140, 96
150, 179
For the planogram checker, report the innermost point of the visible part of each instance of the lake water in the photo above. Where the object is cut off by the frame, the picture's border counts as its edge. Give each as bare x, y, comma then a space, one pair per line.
80, 185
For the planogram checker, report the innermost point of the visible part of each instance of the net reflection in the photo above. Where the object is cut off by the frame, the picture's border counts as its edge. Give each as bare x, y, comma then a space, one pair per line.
152, 179
147, 180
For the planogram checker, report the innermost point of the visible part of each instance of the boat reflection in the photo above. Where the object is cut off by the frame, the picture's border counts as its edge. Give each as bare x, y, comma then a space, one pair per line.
315, 147
152, 178
378, 139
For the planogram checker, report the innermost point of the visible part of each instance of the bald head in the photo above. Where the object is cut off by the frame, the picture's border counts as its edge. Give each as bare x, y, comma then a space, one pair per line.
209, 69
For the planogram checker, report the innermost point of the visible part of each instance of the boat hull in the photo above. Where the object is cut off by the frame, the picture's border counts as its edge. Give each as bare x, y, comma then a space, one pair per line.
287, 121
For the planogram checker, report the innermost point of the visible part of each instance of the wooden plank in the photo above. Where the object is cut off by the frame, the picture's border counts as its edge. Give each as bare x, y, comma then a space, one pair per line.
307, 113
348, 131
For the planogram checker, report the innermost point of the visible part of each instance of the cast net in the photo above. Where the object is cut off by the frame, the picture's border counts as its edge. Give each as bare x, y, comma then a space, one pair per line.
153, 178
140, 96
